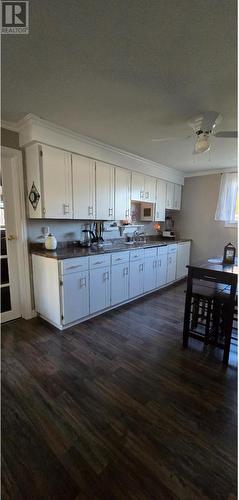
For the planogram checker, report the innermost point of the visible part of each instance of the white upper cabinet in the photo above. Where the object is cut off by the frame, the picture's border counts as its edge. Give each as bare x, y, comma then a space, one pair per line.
143, 188
160, 200
104, 191
49, 182
83, 172
56, 183
149, 189
137, 187
177, 197
170, 195
122, 193
173, 196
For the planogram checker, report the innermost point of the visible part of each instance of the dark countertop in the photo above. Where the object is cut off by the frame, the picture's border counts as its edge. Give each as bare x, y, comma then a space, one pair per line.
69, 251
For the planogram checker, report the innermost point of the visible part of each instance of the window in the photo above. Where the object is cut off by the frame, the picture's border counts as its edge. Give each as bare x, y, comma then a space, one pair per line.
227, 205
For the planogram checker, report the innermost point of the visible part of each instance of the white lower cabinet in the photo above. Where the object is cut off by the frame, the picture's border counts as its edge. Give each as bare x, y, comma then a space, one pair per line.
162, 269
75, 297
183, 255
136, 279
99, 289
172, 263
150, 274
119, 283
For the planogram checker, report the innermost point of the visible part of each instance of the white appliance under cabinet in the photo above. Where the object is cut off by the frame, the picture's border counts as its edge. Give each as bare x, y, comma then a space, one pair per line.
72, 290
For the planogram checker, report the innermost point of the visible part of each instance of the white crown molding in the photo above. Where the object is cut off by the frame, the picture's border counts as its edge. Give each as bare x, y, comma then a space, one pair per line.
9, 126
34, 129
210, 172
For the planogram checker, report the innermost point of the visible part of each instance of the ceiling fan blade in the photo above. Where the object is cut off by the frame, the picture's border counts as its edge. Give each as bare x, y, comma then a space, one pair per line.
227, 135
161, 139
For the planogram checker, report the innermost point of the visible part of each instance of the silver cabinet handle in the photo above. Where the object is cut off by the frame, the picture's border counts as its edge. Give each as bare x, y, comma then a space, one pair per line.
66, 208
106, 276
110, 212
127, 212
154, 264
82, 282
117, 260
98, 262
141, 267
126, 271
90, 210
147, 195
74, 267
141, 195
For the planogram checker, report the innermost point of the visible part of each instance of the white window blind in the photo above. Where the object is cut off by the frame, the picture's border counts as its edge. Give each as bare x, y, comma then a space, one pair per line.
227, 201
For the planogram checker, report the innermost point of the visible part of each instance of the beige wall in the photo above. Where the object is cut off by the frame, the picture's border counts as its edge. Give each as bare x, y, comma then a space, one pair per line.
197, 218
9, 138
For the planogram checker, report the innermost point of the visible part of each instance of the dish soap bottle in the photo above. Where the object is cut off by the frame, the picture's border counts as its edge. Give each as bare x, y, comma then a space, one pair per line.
50, 242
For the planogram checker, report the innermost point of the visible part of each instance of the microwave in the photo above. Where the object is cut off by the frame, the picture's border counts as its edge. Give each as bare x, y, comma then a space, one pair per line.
146, 211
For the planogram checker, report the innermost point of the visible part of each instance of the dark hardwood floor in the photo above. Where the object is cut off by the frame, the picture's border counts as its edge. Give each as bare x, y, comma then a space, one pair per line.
115, 409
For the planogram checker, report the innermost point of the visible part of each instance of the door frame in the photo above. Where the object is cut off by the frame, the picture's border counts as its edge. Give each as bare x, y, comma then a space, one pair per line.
15, 156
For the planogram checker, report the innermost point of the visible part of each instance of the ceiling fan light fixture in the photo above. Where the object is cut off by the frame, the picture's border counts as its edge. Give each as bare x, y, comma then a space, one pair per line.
202, 143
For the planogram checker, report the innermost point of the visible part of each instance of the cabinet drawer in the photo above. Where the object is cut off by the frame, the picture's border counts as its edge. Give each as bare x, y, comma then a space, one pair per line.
99, 261
163, 250
119, 258
75, 265
172, 248
150, 253
136, 255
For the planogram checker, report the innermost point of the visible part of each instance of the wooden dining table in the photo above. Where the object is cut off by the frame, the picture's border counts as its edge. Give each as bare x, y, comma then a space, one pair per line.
219, 274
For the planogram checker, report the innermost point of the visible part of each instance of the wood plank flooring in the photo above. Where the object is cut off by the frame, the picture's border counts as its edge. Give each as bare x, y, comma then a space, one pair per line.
115, 409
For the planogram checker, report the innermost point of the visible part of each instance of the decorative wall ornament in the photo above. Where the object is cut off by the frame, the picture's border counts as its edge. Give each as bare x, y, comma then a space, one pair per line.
34, 196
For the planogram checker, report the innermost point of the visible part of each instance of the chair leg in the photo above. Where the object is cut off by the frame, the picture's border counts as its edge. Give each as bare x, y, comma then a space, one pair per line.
208, 321
194, 322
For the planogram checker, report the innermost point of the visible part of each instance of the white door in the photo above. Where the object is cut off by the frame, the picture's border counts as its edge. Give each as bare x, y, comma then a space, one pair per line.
182, 259
149, 189
75, 296
83, 174
99, 289
56, 183
122, 193
150, 274
119, 283
136, 279
10, 289
137, 187
104, 191
160, 201
170, 195
172, 263
162, 269
177, 197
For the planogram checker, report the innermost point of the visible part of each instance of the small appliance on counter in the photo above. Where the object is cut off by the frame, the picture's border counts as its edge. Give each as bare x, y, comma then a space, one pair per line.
88, 238
50, 242
169, 231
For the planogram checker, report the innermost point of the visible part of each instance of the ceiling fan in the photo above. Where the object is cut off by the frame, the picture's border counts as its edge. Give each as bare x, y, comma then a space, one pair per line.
203, 126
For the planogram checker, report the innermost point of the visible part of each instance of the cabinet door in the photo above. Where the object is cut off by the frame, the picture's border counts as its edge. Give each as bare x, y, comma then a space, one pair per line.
83, 173
99, 289
150, 274
119, 283
75, 296
122, 193
162, 270
137, 187
160, 201
136, 280
177, 197
104, 191
149, 189
183, 256
171, 270
56, 183
170, 195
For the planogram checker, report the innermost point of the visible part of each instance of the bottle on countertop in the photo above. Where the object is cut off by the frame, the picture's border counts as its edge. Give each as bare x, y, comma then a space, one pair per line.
50, 242
229, 254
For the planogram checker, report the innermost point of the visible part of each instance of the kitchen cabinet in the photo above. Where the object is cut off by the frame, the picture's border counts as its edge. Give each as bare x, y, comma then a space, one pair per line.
75, 296
137, 187
149, 189
170, 195
143, 188
49, 182
160, 200
99, 289
83, 173
162, 266
150, 274
173, 196
136, 278
119, 283
171, 263
183, 255
104, 191
122, 193
177, 197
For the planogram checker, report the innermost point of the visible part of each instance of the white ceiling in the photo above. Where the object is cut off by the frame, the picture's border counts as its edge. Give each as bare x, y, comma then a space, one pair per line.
124, 71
